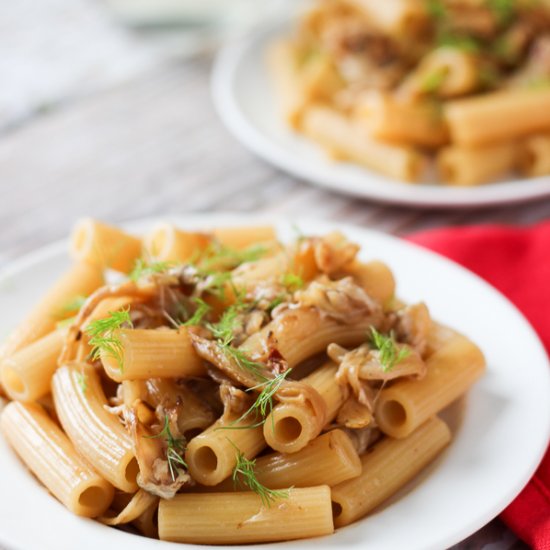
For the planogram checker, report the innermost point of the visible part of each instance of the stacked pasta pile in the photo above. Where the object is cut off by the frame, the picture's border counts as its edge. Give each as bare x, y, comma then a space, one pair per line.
238, 389
391, 85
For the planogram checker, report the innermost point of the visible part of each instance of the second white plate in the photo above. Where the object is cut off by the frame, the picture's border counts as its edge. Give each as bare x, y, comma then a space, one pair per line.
244, 98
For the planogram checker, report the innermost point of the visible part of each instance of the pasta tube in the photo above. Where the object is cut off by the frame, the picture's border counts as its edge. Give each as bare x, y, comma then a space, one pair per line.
451, 370
26, 375
328, 459
290, 426
376, 278
534, 157
303, 333
468, 166
386, 468
212, 455
389, 119
96, 433
240, 238
167, 243
238, 518
104, 245
80, 280
152, 353
345, 138
395, 17
51, 457
445, 72
282, 59
498, 116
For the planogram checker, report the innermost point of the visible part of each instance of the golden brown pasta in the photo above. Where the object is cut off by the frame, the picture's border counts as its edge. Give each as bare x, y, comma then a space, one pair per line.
238, 518
386, 468
49, 454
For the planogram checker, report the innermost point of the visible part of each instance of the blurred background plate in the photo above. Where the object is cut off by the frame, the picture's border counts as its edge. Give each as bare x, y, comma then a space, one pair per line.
245, 101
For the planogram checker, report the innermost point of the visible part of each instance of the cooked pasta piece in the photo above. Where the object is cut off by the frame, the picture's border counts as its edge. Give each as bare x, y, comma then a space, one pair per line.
26, 375
445, 72
374, 277
212, 455
451, 370
328, 459
467, 166
389, 119
534, 155
387, 467
104, 245
304, 332
394, 16
291, 426
147, 354
239, 238
51, 457
96, 433
239, 518
167, 243
80, 280
499, 116
346, 139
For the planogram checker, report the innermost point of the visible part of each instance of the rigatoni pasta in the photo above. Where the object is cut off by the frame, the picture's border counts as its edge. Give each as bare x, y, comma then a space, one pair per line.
395, 85
230, 389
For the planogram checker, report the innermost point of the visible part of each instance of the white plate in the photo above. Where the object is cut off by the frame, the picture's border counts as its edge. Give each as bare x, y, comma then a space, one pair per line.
502, 437
245, 101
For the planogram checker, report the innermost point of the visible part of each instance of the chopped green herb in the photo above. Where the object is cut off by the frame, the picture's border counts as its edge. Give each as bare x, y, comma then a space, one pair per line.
390, 354
72, 306
292, 281
218, 256
102, 338
82, 381
503, 10
275, 302
465, 43
436, 9
202, 309
244, 474
432, 82
175, 447
143, 268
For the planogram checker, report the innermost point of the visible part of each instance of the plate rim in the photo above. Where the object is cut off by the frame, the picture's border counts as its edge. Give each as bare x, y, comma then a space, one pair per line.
228, 61
55, 249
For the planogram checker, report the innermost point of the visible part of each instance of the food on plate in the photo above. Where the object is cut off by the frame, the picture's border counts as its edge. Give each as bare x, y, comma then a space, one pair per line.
399, 85
222, 387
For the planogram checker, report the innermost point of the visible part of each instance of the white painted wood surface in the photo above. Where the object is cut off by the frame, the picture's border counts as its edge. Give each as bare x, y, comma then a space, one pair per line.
96, 121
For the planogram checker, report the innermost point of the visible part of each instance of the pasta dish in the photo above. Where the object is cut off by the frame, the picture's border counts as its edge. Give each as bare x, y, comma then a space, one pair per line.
409, 87
224, 387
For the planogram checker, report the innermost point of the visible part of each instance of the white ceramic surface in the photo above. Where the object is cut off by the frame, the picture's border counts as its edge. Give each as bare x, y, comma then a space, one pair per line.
245, 101
503, 433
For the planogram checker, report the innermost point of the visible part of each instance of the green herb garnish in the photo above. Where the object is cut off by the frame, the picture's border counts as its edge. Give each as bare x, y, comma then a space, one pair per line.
202, 309
502, 9
143, 268
244, 474
432, 82
390, 354
292, 281
465, 43
175, 447
436, 9
72, 306
82, 381
102, 338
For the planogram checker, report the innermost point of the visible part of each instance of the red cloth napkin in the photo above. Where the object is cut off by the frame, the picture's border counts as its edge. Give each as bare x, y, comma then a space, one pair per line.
517, 262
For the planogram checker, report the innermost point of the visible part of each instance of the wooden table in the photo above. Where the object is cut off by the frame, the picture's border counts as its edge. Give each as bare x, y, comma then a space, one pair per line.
96, 121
